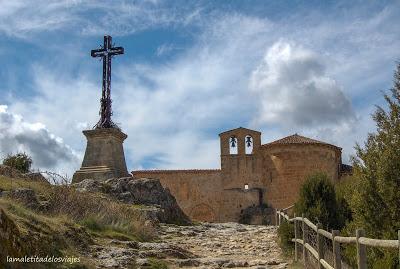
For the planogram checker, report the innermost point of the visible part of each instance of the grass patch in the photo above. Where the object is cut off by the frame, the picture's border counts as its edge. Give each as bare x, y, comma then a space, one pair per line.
119, 232
7, 184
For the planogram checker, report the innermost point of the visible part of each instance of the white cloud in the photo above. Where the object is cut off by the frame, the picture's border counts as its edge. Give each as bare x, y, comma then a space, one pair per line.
172, 111
47, 150
294, 90
22, 18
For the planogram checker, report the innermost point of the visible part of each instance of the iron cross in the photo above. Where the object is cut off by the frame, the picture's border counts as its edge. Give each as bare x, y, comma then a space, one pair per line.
106, 52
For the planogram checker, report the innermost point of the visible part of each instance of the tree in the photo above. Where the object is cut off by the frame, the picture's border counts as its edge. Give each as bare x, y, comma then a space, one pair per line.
319, 203
376, 204
20, 161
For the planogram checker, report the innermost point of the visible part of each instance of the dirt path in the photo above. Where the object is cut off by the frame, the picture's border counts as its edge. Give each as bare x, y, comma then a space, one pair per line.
228, 245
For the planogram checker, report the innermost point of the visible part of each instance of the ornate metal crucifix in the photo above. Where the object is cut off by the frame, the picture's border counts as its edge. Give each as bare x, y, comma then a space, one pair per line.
106, 52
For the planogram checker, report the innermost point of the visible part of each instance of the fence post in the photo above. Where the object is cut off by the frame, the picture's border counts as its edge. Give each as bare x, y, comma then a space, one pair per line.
319, 247
295, 238
337, 260
361, 250
305, 260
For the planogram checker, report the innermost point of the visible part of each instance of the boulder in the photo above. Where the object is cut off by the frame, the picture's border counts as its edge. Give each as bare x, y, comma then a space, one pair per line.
142, 191
146, 191
89, 185
25, 196
35, 176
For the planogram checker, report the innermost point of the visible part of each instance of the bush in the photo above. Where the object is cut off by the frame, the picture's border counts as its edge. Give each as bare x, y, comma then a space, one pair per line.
20, 161
319, 203
286, 233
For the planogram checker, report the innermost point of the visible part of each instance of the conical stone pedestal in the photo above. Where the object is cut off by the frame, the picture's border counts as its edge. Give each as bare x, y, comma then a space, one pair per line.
104, 155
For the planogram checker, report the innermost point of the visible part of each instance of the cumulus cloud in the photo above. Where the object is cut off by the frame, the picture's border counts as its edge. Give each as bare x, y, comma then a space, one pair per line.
295, 90
47, 150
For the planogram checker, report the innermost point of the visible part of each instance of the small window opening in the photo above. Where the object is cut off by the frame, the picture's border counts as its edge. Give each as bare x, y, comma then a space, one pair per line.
233, 145
246, 186
248, 140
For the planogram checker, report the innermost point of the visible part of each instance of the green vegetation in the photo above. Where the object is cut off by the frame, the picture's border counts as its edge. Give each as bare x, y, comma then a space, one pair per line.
320, 204
20, 161
69, 223
376, 179
286, 233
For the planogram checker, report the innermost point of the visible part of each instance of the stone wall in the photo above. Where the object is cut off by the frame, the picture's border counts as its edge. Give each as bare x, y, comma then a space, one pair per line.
193, 189
271, 174
202, 195
286, 166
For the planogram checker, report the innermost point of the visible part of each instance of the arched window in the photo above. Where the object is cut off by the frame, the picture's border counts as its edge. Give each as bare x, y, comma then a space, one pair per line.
233, 145
248, 141
246, 186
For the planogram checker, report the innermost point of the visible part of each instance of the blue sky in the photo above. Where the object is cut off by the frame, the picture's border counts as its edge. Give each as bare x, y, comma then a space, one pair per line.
191, 70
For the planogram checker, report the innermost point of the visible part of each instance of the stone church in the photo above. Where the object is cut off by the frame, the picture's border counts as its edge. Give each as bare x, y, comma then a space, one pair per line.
252, 175
253, 178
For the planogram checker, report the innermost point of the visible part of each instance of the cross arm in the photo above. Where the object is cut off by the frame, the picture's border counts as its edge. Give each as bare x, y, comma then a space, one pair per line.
97, 53
117, 51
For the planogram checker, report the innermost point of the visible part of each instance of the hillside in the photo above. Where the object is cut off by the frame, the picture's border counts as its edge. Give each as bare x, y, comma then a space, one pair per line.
121, 223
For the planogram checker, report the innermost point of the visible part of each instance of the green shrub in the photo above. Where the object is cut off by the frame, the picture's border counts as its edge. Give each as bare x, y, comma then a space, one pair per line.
319, 203
286, 233
20, 161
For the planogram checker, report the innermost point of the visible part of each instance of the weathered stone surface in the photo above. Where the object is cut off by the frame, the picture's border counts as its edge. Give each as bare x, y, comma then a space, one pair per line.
25, 196
36, 176
142, 191
227, 245
207, 246
104, 156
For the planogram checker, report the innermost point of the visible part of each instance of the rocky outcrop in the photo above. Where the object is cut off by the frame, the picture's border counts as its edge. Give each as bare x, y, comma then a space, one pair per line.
10, 240
11, 172
25, 196
142, 191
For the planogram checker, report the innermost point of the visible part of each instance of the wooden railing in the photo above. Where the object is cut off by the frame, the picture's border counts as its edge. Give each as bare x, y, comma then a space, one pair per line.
300, 240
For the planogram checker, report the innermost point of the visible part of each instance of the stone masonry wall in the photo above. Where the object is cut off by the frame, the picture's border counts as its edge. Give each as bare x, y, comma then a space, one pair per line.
286, 167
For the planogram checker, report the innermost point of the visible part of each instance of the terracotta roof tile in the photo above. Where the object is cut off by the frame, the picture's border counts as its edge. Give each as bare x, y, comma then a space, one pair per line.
297, 139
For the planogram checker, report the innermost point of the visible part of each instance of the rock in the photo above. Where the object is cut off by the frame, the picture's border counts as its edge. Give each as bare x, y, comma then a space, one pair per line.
89, 185
36, 176
143, 191
25, 196
188, 262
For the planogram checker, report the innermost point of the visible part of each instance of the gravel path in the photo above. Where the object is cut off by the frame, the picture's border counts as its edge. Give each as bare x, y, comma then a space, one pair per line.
227, 245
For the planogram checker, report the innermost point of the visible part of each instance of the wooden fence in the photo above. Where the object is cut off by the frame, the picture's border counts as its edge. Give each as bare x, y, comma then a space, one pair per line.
318, 250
